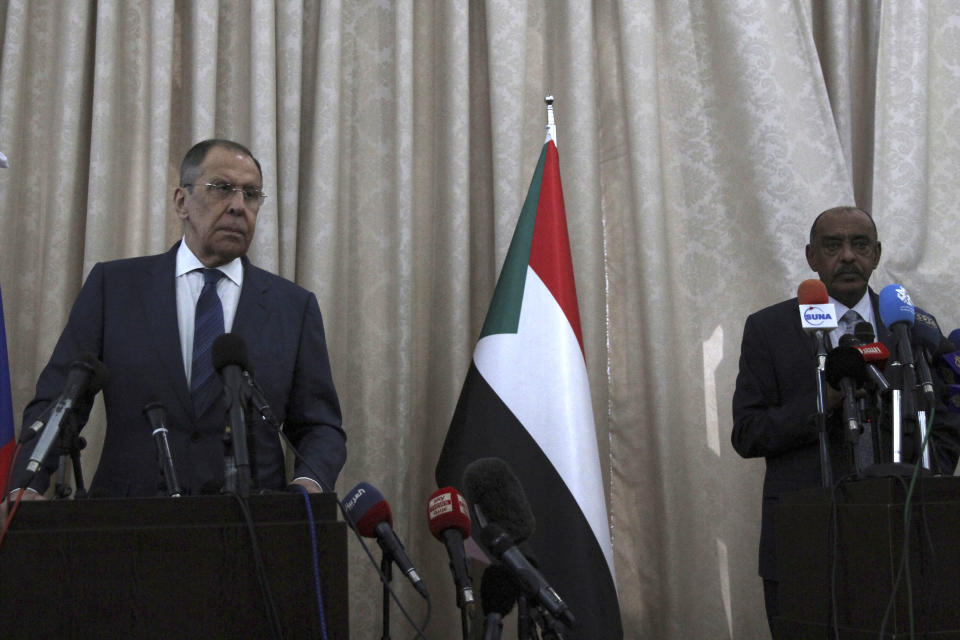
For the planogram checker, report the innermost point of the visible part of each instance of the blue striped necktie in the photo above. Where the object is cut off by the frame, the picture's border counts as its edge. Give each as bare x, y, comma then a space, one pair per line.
208, 325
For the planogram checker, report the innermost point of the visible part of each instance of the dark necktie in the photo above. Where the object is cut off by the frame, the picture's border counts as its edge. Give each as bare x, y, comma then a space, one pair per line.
208, 324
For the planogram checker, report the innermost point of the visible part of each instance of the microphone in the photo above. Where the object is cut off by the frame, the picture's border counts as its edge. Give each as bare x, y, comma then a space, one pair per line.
370, 513
817, 316
449, 522
501, 506
86, 377
495, 495
929, 340
874, 355
898, 313
156, 415
229, 355
498, 593
534, 584
845, 370
259, 400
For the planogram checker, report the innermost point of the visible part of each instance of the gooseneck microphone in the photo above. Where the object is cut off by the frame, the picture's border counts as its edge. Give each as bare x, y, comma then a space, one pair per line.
498, 593
156, 415
371, 515
449, 521
85, 378
229, 355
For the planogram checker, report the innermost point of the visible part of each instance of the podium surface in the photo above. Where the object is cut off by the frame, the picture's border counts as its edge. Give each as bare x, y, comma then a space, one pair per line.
171, 568
842, 549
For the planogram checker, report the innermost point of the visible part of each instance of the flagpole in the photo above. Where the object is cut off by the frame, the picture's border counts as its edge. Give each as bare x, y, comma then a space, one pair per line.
551, 125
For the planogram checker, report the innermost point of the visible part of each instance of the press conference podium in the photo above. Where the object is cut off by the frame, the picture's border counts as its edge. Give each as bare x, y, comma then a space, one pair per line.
866, 558
170, 568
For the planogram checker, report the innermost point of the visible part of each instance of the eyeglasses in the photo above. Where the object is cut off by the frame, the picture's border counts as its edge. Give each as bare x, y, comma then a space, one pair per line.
224, 190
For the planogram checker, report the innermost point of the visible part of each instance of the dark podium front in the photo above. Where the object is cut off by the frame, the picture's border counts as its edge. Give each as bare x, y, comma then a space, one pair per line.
862, 554
170, 568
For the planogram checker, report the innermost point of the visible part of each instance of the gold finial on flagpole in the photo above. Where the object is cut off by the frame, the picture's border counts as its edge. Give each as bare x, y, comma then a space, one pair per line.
551, 125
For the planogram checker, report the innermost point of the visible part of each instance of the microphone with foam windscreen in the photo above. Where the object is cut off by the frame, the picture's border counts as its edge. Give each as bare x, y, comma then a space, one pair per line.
495, 495
846, 370
85, 378
505, 518
229, 355
898, 314
449, 521
875, 354
156, 415
498, 594
929, 343
370, 514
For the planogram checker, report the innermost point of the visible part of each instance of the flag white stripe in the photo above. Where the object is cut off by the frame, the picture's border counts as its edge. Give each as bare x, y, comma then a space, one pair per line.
540, 374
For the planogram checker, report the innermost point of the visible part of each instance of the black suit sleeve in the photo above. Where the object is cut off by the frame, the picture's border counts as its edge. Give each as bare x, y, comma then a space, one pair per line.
313, 419
775, 396
83, 334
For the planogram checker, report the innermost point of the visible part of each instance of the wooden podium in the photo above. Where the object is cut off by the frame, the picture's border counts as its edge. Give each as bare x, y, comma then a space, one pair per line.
170, 568
862, 556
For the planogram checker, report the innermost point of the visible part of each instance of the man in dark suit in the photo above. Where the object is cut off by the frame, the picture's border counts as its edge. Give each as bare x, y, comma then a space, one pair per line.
775, 399
141, 318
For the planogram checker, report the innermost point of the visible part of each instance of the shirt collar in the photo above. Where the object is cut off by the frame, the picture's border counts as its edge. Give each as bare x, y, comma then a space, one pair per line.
187, 261
864, 307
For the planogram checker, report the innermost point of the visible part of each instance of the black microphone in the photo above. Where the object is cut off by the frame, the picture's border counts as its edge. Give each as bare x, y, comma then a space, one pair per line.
846, 370
929, 341
500, 506
370, 513
495, 495
503, 547
498, 593
156, 415
84, 379
871, 352
229, 355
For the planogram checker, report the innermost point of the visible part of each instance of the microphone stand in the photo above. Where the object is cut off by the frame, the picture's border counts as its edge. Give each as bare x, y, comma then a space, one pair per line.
524, 621
386, 564
826, 471
70, 444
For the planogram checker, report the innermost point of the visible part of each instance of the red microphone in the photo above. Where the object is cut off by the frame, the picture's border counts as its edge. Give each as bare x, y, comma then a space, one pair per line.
812, 291
449, 521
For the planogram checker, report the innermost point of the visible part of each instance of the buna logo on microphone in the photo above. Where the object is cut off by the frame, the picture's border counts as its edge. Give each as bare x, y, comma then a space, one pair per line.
816, 316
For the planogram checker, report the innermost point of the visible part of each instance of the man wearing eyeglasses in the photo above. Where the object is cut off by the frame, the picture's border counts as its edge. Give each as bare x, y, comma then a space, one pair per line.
151, 321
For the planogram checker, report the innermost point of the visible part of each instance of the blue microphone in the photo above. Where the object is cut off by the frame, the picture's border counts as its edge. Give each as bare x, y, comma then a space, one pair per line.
898, 314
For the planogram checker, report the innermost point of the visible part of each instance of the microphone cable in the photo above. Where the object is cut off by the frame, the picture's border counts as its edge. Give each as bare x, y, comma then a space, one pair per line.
316, 560
273, 615
383, 579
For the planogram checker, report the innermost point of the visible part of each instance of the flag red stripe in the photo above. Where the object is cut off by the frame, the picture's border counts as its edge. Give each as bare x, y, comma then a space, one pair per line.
550, 251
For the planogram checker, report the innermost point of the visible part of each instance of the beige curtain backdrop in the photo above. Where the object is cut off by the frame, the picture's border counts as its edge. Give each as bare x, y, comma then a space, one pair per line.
697, 141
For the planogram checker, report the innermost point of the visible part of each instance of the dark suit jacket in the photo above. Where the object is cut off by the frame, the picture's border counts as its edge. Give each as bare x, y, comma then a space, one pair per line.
126, 316
774, 407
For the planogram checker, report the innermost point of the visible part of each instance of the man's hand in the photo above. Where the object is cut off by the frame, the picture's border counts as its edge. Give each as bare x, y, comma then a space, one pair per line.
307, 483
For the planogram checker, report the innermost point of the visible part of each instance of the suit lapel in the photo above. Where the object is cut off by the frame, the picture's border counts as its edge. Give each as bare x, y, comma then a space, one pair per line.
252, 308
159, 300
